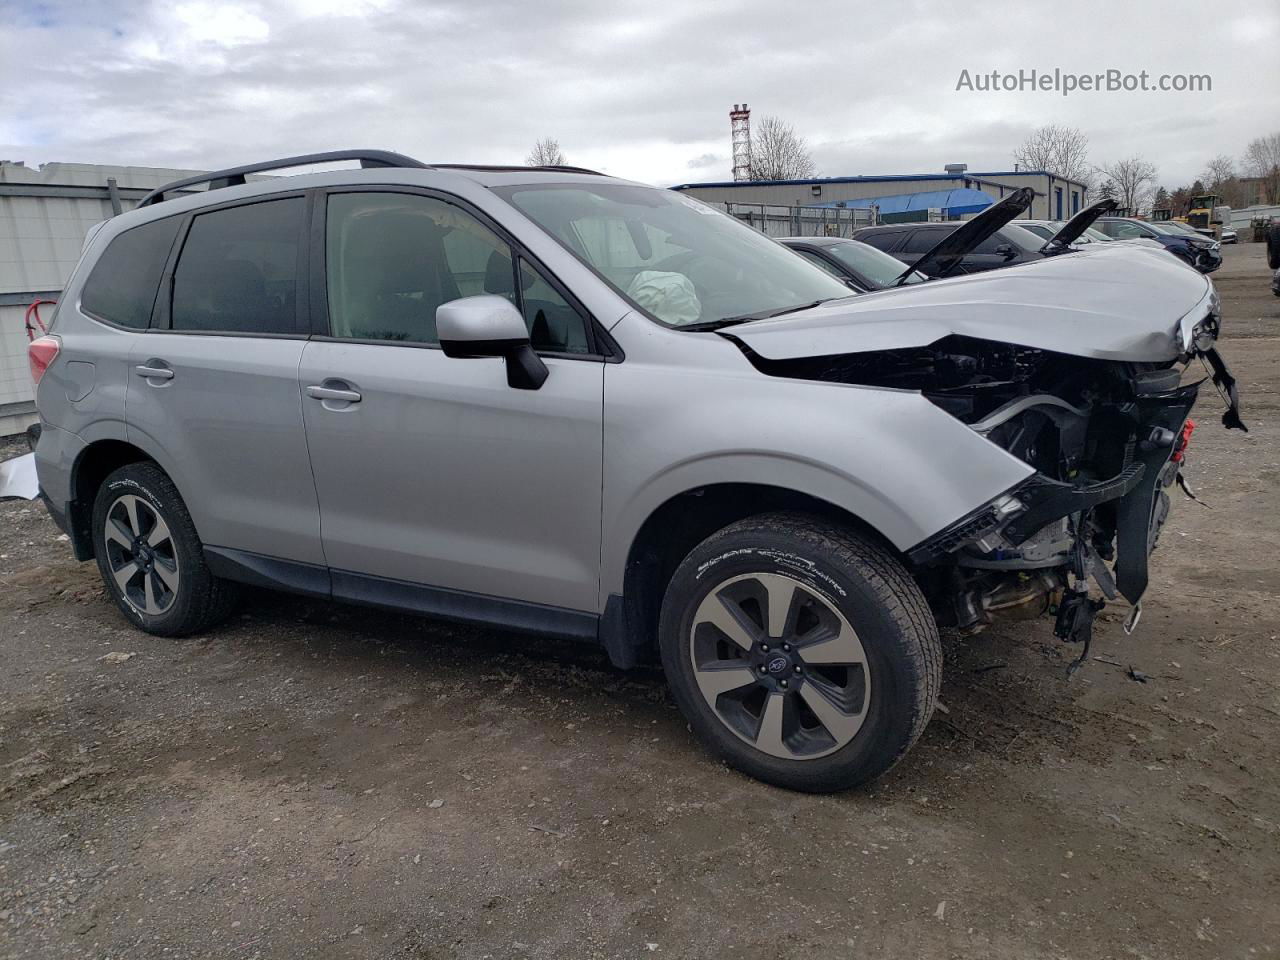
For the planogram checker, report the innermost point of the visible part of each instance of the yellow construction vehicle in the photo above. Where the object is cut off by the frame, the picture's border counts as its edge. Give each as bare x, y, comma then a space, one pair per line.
1201, 214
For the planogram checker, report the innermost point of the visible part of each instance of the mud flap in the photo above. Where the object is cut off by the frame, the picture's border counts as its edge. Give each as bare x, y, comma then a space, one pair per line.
1136, 509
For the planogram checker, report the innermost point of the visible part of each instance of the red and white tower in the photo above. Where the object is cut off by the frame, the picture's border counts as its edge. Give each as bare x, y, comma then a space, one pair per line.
740, 123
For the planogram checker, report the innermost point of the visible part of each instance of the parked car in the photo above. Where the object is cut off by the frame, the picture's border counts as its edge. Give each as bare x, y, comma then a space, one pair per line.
859, 264
994, 238
1048, 229
1203, 253
1228, 235
908, 242
561, 403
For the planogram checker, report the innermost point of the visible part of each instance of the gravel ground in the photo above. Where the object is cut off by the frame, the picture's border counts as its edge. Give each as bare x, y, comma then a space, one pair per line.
325, 781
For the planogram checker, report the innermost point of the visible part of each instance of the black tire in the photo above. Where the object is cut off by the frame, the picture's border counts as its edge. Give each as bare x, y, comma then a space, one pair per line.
200, 599
869, 587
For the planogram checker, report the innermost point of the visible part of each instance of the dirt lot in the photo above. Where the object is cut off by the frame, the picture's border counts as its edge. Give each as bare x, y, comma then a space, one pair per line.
320, 781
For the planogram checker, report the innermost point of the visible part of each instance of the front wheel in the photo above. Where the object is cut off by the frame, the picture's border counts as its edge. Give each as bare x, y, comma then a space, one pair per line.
802, 653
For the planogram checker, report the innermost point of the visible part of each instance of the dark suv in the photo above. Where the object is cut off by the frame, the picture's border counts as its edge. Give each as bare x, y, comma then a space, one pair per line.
1009, 245
1203, 253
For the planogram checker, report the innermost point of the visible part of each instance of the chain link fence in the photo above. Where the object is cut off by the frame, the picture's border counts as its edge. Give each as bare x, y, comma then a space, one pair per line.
782, 221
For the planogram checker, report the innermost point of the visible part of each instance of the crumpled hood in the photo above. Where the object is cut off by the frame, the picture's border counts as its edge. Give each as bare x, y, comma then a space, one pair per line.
1107, 301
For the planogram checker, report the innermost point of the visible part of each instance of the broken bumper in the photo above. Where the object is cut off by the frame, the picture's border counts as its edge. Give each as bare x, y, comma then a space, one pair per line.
1135, 493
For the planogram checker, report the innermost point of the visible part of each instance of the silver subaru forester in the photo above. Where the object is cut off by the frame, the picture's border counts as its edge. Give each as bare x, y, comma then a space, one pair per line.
562, 403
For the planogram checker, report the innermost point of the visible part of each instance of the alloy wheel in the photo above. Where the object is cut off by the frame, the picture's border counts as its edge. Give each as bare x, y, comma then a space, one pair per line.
780, 665
141, 555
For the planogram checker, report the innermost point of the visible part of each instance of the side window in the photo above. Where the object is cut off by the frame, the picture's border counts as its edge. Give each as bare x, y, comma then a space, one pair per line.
238, 270
391, 259
122, 287
1120, 229
554, 325
884, 240
989, 245
922, 241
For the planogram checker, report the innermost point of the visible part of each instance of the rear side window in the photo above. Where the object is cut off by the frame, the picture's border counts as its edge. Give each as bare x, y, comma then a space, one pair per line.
121, 289
238, 270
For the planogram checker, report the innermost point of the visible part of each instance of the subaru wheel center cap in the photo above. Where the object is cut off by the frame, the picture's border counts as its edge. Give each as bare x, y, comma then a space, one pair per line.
777, 666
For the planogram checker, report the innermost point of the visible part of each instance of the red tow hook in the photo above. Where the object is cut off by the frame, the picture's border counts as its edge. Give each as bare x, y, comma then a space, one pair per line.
1180, 448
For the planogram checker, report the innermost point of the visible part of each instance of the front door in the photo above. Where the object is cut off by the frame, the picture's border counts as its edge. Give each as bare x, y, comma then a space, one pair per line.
432, 470
213, 386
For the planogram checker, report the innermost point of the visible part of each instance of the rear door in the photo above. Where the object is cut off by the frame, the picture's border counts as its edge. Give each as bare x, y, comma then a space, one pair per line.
213, 385
431, 470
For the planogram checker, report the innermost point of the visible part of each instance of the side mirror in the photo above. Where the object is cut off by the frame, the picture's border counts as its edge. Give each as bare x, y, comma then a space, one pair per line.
1005, 250
489, 326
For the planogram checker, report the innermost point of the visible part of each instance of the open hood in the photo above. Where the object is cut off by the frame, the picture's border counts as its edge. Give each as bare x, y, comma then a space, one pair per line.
1107, 301
946, 255
1072, 230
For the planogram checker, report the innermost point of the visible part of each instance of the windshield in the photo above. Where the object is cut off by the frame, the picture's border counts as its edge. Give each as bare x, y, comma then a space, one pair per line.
681, 261
879, 268
1174, 228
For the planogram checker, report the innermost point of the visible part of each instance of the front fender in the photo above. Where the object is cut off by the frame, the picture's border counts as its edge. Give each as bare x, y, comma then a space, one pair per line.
889, 457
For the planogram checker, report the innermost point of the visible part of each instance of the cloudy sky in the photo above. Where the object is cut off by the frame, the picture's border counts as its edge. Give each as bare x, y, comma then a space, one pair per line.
640, 90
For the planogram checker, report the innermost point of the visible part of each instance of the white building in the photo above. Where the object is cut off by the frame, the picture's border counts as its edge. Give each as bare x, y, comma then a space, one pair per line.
1056, 198
44, 216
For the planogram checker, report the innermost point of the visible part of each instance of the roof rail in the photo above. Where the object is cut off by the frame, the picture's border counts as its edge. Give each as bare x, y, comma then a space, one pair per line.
515, 168
235, 176
562, 168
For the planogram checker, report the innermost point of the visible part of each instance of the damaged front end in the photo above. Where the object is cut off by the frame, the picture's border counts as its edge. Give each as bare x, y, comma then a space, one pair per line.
1107, 439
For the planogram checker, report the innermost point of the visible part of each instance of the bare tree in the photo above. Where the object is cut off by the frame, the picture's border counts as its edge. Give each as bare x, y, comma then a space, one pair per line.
546, 153
1059, 150
778, 152
1218, 171
1133, 179
1180, 201
1262, 160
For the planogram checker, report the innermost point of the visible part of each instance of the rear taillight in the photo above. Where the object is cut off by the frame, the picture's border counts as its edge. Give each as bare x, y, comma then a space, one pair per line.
40, 353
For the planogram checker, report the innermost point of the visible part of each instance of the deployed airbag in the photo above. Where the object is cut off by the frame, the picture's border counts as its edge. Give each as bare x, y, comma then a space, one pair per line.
667, 295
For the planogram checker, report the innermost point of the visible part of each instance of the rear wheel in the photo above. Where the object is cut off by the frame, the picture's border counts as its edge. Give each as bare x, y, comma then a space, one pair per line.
150, 557
802, 653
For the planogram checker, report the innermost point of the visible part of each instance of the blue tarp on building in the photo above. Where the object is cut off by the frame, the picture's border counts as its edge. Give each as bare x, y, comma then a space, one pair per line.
954, 202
